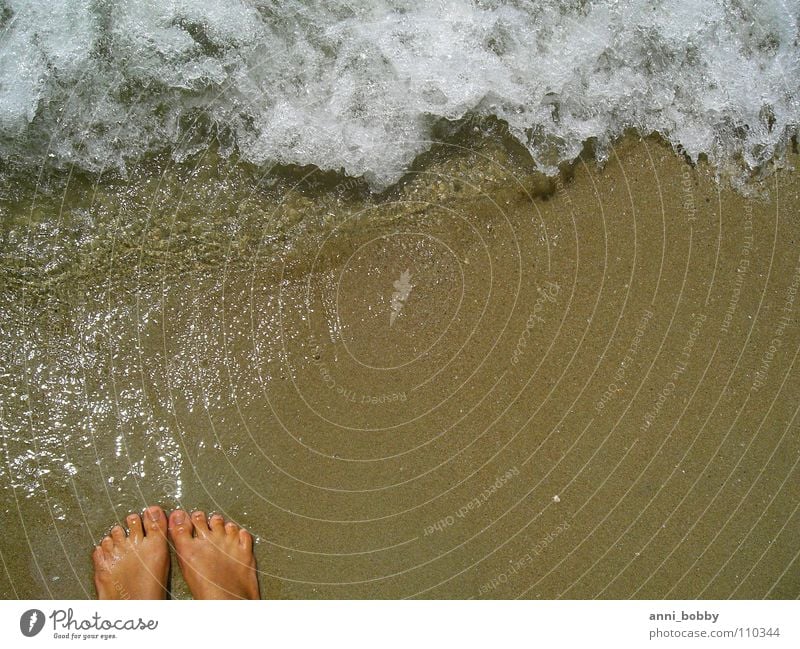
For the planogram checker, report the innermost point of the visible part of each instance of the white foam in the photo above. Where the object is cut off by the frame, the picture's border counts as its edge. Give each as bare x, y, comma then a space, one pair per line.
358, 87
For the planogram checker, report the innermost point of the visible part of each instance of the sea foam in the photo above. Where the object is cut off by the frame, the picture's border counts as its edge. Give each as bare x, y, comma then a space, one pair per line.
360, 86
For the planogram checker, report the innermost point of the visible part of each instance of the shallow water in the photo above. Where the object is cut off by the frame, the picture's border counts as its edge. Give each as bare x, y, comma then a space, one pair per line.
582, 386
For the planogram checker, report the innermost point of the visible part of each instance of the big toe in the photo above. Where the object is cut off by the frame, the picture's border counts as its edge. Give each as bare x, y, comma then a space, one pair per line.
180, 527
155, 521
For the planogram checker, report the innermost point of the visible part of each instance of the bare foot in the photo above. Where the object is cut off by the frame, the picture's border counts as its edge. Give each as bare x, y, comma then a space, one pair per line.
136, 565
217, 561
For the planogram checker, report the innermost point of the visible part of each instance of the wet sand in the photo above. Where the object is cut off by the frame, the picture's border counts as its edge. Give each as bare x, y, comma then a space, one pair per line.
582, 387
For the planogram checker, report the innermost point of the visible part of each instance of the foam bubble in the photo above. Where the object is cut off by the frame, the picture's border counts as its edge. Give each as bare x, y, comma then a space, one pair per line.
359, 87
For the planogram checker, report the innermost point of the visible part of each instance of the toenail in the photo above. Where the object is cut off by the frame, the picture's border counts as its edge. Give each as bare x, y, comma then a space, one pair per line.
132, 518
179, 517
153, 515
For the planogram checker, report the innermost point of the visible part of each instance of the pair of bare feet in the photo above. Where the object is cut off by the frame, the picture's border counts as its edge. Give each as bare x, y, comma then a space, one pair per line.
215, 557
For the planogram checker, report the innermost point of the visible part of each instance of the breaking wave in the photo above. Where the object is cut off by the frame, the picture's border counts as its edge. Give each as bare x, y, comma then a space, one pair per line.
359, 87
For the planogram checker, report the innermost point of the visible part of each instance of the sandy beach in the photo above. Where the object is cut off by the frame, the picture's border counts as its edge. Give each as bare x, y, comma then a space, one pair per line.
481, 383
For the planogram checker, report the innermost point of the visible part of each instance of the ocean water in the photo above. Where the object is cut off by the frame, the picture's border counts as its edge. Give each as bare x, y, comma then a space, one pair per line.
359, 87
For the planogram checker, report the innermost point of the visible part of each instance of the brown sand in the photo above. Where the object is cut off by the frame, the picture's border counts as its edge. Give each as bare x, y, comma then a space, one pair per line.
590, 388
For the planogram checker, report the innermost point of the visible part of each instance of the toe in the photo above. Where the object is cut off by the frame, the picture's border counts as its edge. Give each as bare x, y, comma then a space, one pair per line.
246, 540
217, 523
155, 521
180, 526
107, 544
231, 529
135, 528
98, 558
200, 523
118, 534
